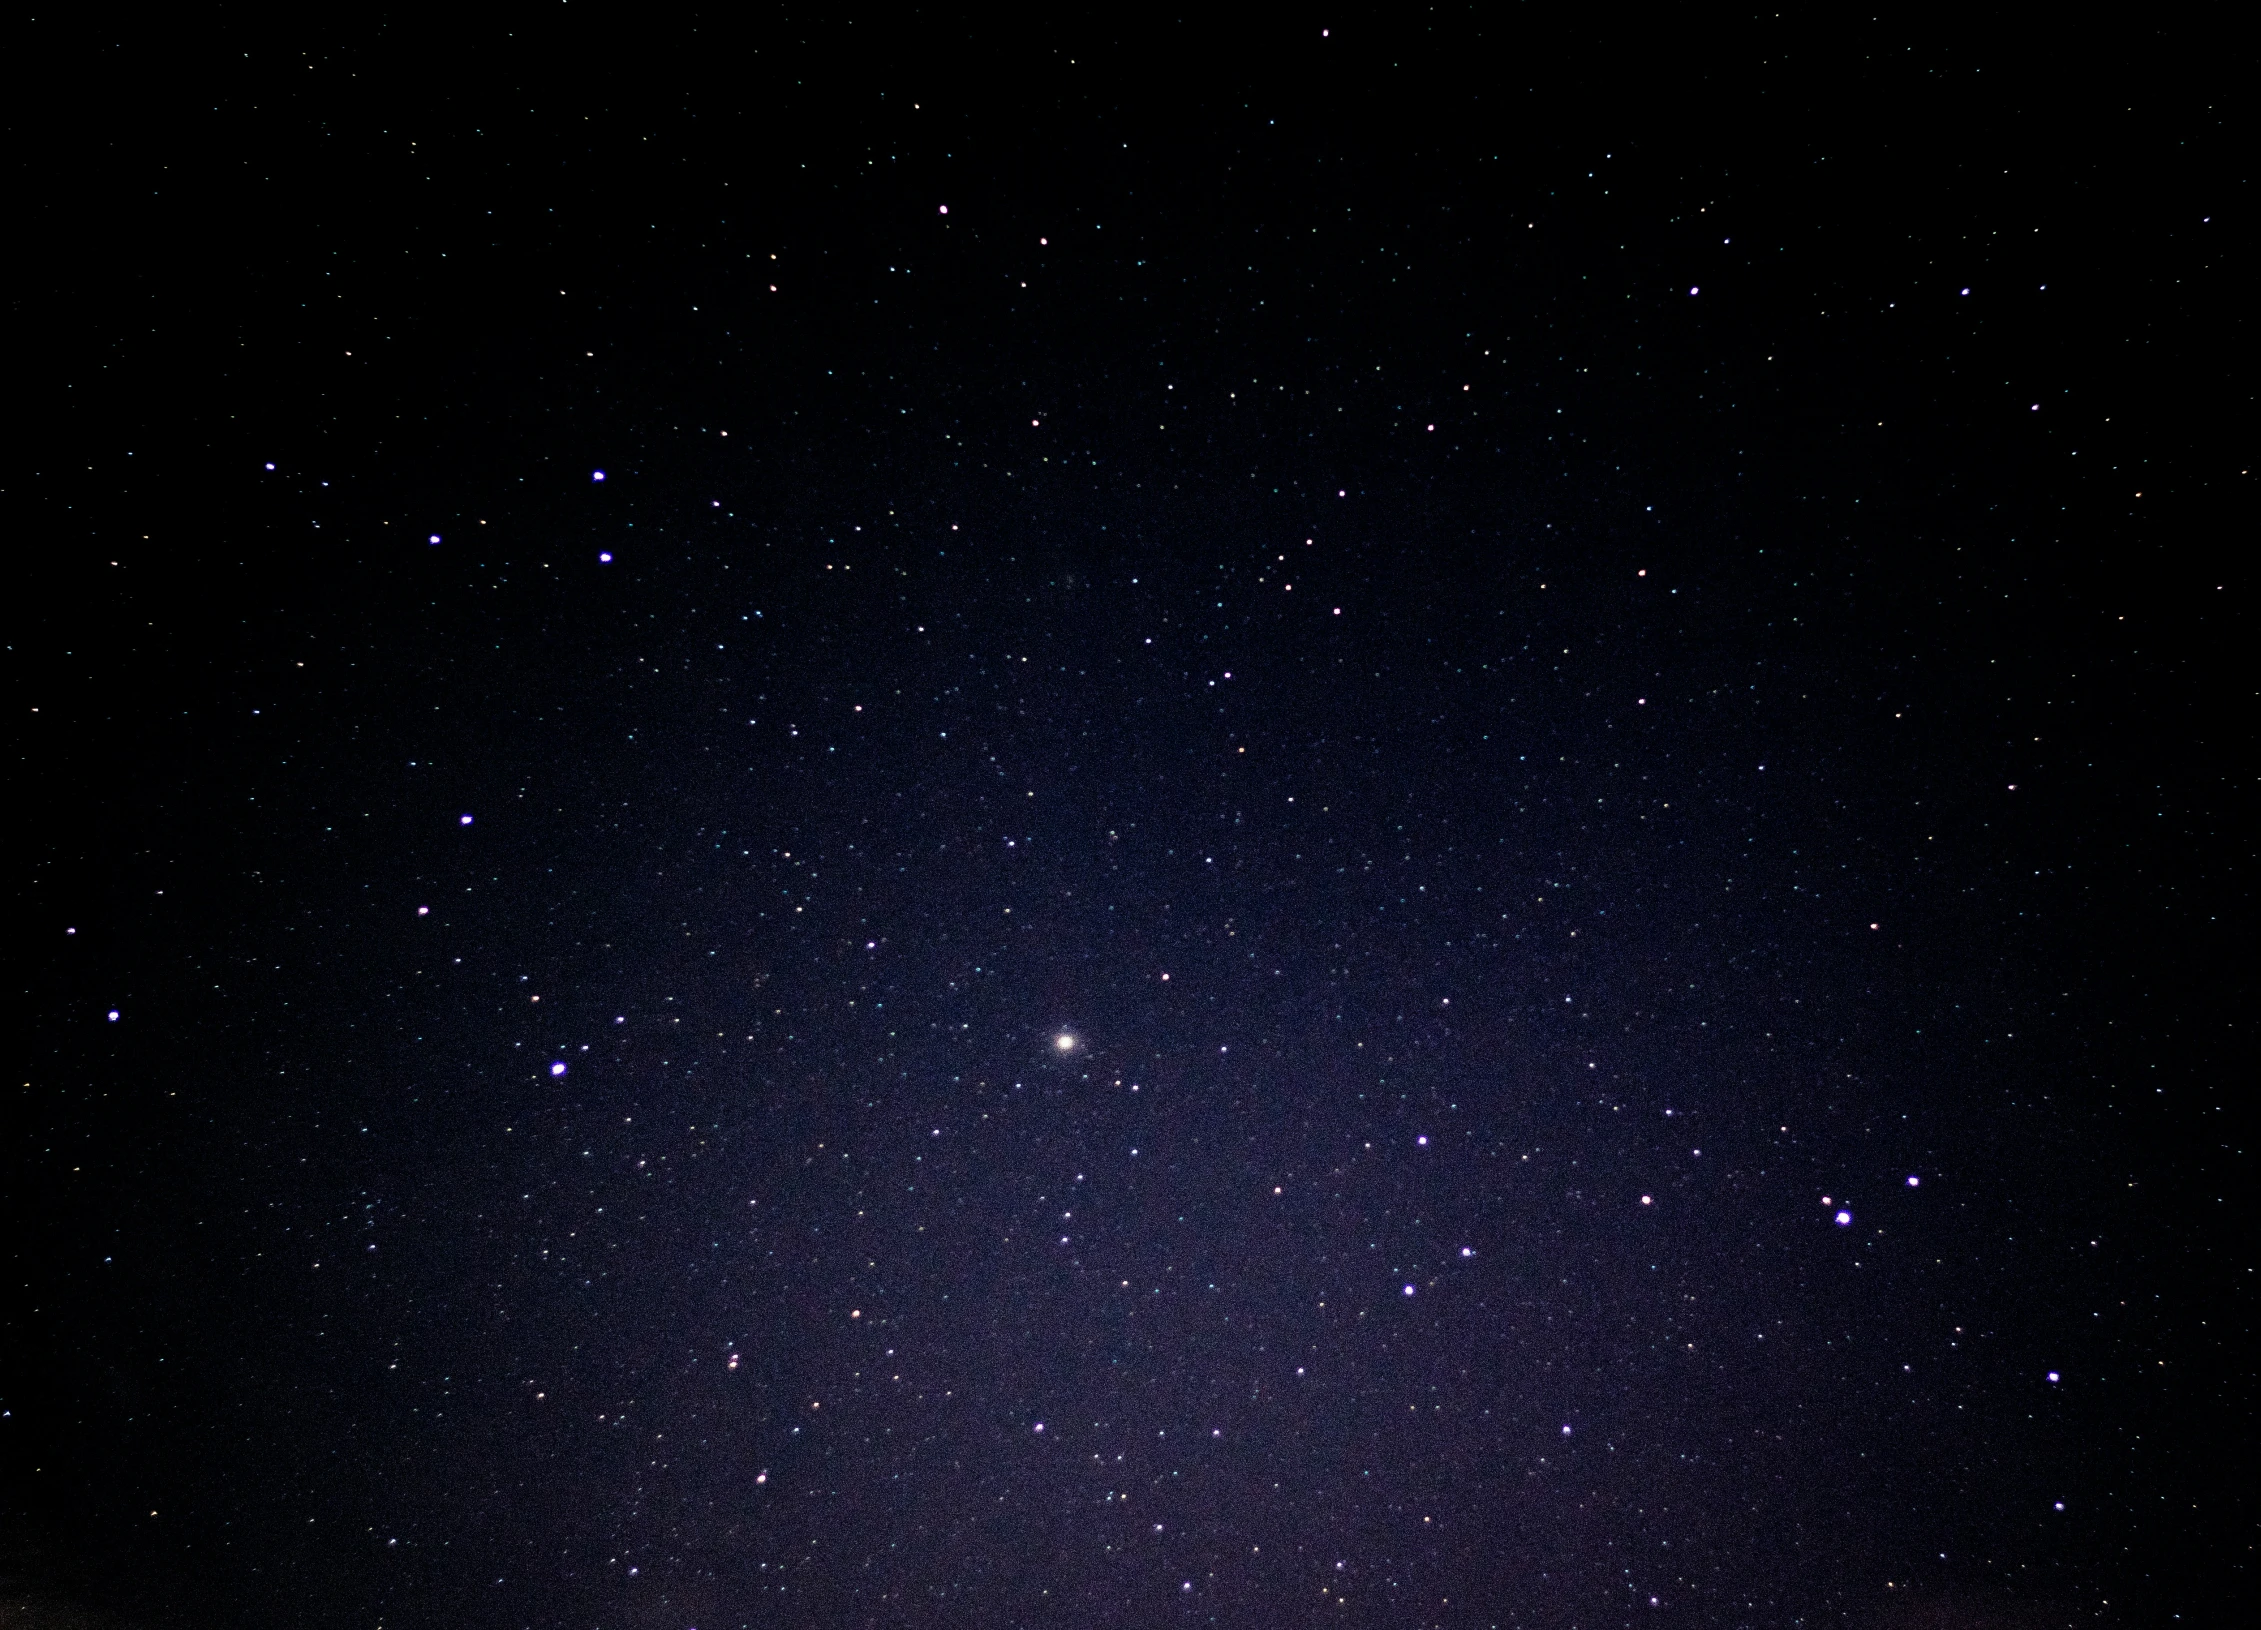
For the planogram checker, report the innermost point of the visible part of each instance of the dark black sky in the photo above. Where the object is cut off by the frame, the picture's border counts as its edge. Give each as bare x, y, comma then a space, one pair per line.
1437, 822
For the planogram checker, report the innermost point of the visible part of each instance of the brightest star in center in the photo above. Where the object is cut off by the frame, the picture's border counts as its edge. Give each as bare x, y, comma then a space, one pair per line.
1064, 1042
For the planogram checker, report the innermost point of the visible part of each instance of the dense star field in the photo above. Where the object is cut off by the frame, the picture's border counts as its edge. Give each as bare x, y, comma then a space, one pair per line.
854, 823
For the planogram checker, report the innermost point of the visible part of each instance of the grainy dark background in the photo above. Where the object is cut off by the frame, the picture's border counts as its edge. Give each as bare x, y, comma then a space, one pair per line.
1643, 624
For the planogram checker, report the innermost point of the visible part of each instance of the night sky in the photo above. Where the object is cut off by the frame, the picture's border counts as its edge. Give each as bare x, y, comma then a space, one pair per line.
1438, 821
